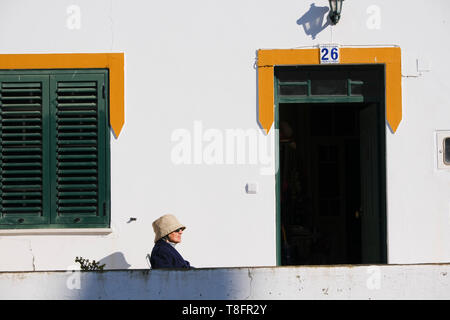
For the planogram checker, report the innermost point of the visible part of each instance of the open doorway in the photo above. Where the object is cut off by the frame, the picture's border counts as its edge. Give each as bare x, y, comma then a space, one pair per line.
331, 190
331, 185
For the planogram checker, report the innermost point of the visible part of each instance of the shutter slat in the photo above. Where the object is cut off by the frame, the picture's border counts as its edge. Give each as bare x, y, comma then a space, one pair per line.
91, 142
8, 157
80, 157
21, 209
71, 97
78, 201
21, 98
75, 134
21, 164
76, 149
79, 171
25, 127
6, 85
71, 105
77, 179
12, 120
22, 142
21, 105
22, 186
77, 193
23, 171
77, 127
21, 201
20, 135
75, 90
64, 120
77, 186
21, 194
22, 150
27, 90
77, 164
77, 84
77, 209
62, 113
29, 179
23, 113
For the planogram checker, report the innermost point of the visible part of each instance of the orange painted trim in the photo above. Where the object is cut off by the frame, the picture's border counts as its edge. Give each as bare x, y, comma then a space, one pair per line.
265, 96
391, 57
112, 61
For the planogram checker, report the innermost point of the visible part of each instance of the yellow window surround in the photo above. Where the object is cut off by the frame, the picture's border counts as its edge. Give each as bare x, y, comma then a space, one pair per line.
391, 57
112, 61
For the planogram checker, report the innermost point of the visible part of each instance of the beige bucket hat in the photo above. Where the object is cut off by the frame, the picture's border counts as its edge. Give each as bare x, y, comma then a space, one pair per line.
165, 225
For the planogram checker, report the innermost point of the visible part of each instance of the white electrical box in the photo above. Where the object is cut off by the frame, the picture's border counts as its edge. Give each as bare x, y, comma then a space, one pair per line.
443, 149
251, 188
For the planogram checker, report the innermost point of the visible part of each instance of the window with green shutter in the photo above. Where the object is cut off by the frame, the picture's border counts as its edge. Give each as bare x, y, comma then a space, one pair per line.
54, 149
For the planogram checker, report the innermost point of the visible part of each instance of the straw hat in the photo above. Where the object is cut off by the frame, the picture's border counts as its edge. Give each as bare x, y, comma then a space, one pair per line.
165, 225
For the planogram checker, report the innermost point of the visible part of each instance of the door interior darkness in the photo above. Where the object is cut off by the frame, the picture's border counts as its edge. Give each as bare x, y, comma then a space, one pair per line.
331, 182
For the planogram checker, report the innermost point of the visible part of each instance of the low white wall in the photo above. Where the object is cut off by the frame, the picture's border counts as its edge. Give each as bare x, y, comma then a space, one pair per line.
427, 281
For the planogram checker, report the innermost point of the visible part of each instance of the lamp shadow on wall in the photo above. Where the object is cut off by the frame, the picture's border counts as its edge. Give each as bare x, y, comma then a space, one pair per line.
312, 20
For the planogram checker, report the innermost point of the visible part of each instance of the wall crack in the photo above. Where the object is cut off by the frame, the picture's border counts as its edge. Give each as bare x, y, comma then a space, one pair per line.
251, 283
32, 255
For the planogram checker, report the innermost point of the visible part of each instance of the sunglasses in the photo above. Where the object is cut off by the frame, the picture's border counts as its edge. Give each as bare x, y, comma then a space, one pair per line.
178, 230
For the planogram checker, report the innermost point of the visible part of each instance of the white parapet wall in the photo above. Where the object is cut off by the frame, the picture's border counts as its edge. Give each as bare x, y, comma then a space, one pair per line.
424, 281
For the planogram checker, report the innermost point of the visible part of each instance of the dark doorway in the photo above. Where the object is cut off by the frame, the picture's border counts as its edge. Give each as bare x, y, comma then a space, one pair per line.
329, 184
319, 175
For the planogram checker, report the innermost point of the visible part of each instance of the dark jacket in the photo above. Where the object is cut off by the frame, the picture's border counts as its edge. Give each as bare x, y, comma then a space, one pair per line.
165, 256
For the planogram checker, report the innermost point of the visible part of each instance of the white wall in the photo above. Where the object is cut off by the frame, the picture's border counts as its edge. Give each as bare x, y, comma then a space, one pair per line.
188, 61
370, 282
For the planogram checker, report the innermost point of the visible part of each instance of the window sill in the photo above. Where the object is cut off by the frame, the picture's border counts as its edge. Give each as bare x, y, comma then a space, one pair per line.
68, 231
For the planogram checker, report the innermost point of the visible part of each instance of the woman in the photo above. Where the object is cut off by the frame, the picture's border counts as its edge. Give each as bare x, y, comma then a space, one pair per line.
168, 231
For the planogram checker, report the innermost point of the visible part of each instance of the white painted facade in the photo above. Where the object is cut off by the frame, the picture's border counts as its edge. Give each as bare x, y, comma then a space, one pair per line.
191, 65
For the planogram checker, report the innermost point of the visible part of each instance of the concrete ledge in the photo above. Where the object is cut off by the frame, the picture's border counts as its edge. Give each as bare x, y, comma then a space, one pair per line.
427, 281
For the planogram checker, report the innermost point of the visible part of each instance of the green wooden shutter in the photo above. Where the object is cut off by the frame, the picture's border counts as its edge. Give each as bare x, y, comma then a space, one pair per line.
23, 150
80, 150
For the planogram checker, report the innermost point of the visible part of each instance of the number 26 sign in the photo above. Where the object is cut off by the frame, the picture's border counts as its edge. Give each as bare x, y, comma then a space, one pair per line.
329, 53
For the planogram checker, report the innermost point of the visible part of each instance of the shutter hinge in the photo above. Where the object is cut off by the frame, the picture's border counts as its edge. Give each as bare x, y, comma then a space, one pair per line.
103, 92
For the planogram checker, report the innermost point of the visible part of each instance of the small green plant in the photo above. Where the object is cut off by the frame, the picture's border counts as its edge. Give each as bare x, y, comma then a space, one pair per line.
89, 266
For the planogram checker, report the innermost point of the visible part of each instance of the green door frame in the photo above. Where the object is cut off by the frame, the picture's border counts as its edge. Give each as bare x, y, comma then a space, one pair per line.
380, 99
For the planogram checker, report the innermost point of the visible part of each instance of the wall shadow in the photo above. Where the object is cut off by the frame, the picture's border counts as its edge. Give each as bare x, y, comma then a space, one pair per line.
115, 260
312, 20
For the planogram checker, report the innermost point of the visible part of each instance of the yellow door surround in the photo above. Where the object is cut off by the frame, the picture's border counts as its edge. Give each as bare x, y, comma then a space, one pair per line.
112, 61
391, 57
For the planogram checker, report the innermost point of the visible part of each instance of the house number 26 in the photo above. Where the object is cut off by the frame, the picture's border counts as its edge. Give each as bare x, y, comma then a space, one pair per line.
329, 54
